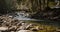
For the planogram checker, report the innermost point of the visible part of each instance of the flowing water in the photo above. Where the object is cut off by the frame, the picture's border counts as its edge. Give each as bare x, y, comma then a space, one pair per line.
22, 16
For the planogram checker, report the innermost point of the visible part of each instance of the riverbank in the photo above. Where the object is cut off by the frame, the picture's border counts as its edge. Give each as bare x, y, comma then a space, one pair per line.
16, 25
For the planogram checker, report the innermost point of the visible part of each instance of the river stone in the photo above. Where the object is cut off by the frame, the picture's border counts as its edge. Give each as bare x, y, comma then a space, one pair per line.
3, 28
25, 31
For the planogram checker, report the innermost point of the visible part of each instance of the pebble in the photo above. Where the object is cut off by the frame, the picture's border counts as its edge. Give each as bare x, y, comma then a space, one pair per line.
3, 28
25, 31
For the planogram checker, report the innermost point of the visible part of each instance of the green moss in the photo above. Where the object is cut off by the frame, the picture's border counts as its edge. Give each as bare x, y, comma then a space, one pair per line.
51, 4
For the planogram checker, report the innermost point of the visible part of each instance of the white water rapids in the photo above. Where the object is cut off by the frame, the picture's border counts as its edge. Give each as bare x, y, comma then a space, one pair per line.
23, 16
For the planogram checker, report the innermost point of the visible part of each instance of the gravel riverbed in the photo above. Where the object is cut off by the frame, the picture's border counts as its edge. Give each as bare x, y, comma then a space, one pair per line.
10, 24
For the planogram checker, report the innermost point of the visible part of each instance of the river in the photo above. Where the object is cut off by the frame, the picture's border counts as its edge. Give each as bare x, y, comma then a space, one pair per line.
24, 17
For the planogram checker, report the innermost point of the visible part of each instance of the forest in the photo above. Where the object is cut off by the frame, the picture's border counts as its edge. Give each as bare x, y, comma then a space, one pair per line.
42, 8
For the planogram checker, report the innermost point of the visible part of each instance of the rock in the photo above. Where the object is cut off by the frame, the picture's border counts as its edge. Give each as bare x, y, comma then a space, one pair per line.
12, 28
3, 28
25, 31
28, 26
58, 29
34, 29
23, 27
10, 16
